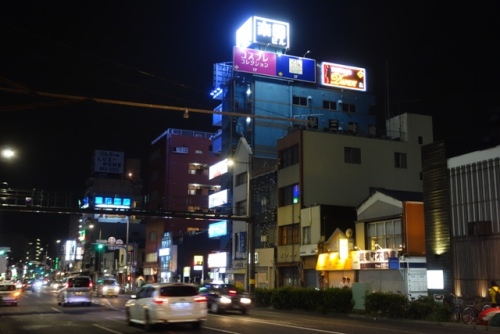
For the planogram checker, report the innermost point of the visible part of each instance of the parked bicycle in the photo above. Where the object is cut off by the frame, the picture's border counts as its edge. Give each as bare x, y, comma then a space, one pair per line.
457, 307
472, 310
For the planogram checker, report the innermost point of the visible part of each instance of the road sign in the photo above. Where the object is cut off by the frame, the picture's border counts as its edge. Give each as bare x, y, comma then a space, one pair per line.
101, 241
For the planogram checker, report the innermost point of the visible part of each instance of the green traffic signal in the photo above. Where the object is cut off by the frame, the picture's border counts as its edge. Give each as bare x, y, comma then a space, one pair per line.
100, 246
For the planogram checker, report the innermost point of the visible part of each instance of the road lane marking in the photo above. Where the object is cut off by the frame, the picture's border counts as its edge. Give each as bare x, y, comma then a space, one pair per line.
106, 329
56, 309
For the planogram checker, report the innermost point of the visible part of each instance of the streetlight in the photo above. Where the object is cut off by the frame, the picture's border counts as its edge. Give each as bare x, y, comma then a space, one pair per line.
8, 153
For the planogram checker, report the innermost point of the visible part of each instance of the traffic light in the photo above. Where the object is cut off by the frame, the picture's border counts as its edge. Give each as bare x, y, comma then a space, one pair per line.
2, 252
100, 246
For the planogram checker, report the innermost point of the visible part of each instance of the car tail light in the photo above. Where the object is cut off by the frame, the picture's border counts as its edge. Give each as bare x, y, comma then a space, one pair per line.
160, 301
232, 293
200, 299
90, 284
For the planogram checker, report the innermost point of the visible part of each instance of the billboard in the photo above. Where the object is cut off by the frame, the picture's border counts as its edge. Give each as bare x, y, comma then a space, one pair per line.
343, 76
108, 162
261, 31
219, 198
217, 229
218, 169
273, 64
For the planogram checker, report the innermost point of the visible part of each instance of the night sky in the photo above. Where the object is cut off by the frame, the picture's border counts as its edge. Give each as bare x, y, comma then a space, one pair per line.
432, 57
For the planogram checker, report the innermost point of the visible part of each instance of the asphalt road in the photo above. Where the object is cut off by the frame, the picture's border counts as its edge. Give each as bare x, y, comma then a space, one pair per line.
38, 312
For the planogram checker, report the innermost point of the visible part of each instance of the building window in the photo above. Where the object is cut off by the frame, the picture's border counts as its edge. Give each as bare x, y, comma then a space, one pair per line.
330, 105
289, 156
386, 234
400, 160
306, 235
152, 236
289, 195
420, 140
347, 107
299, 101
198, 169
240, 179
289, 234
352, 155
241, 208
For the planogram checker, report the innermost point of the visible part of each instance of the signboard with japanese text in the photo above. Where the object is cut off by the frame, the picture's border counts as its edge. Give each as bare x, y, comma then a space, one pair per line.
343, 76
373, 259
261, 31
274, 65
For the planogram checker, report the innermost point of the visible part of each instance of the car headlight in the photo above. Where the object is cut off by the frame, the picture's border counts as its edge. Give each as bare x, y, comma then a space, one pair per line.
245, 300
104, 288
225, 300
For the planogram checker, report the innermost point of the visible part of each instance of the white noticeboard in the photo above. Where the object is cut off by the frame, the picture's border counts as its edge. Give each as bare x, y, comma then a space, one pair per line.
416, 279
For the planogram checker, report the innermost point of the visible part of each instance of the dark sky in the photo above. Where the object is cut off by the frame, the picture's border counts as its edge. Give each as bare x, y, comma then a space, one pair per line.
435, 57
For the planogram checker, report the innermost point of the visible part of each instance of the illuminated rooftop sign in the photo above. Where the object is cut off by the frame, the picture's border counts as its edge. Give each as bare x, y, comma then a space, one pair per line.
261, 31
274, 65
343, 76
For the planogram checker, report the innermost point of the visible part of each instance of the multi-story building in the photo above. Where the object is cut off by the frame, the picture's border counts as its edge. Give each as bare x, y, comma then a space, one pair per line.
114, 184
266, 94
178, 181
462, 217
340, 170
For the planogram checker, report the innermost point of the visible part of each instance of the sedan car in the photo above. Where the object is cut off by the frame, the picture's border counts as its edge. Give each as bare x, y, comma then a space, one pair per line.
167, 303
107, 286
223, 297
76, 290
9, 294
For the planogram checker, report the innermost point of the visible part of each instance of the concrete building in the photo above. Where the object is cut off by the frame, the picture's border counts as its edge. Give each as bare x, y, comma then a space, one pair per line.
342, 170
462, 218
114, 183
178, 181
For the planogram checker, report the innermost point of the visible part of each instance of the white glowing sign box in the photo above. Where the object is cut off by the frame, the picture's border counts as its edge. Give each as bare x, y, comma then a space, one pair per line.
261, 31
343, 76
217, 260
218, 199
218, 169
217, 229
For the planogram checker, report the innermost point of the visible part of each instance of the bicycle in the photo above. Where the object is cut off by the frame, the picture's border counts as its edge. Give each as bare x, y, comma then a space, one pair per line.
472, 310
457, 307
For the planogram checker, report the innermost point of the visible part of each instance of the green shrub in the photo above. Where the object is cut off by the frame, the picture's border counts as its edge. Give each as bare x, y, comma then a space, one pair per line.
426, 308
386, 304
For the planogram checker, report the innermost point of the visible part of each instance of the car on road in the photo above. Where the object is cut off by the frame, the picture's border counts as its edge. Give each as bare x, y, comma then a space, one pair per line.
56, 285
225, 297
9, 293
76, 290
107, 286
162, 303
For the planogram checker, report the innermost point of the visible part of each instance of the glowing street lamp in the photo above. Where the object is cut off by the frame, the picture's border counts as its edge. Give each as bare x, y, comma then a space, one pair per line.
8, 153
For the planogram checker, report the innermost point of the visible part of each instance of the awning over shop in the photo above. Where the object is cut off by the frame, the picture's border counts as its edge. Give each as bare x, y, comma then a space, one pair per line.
331, 261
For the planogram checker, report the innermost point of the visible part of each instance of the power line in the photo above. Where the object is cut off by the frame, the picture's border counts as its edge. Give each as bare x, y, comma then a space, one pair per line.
185, 110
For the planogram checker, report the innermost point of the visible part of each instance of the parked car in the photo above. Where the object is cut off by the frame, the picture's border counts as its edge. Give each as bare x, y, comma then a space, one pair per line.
224, 297
9, 294
76, 290
167, 303
107, 286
